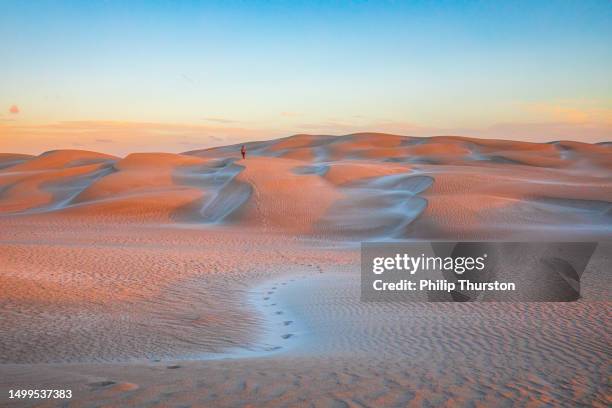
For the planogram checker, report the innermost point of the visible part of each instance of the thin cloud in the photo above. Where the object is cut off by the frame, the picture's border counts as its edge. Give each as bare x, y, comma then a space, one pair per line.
542, 132
187, 78
121, 137
584, 112
221, 120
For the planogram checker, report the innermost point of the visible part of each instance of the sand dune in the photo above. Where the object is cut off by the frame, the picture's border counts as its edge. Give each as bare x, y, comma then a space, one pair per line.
201, 279
282, 199
326, 185
12, 159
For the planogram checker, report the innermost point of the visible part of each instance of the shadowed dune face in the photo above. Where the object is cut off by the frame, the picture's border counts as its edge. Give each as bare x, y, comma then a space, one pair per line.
141, 186
282, 200
152, 257
357, 186
49, 181
12, 159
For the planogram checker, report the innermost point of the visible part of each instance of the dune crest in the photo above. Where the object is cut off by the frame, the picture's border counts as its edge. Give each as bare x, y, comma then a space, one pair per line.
244, 274
366, 185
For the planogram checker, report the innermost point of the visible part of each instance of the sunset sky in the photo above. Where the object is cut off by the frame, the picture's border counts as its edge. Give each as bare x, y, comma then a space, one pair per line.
175, 76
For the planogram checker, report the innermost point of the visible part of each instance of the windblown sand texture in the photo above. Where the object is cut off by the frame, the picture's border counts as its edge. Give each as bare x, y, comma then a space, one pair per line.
201, 279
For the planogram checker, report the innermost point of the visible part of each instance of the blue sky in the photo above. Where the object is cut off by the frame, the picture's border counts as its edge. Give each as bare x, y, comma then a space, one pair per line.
167, 75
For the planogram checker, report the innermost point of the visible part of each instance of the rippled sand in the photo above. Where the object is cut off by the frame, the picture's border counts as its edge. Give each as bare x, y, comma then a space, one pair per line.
314, 343
202, 280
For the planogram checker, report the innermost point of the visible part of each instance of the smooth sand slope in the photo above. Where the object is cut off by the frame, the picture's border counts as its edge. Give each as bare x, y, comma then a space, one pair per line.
356, 186
200, 279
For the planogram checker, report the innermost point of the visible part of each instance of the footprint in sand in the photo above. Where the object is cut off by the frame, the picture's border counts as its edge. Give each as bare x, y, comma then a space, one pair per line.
269, 293
173, 367
121, 387
280, 312
287, 322
126, 386
273, 304
286, 336
102, 384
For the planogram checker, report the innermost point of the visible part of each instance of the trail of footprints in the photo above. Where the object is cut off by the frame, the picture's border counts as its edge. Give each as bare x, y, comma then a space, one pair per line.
107, 383
271, 292
280, 312
268, 296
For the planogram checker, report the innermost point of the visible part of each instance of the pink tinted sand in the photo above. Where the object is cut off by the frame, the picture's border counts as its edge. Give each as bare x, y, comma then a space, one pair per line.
117, 270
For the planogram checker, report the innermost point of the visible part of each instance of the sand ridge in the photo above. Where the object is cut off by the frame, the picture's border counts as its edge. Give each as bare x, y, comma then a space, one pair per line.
299, 185
131, 280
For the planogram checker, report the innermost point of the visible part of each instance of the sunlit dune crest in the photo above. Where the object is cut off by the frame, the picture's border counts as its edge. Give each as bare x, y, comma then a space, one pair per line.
169, 267
366, 185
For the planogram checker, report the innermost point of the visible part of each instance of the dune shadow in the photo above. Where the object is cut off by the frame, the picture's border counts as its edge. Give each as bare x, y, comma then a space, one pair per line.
223, 195
318, 169
66, 191
380, 207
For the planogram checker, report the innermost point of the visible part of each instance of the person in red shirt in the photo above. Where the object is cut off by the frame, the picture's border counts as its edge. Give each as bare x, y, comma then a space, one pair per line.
243, 152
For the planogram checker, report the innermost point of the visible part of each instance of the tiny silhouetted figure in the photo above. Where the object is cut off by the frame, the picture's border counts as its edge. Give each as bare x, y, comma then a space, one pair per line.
243, 152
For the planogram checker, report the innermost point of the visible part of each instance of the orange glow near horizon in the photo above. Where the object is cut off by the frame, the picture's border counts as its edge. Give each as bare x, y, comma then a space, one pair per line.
123, 137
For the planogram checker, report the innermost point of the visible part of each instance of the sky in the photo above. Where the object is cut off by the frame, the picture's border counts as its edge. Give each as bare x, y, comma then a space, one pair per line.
118, 76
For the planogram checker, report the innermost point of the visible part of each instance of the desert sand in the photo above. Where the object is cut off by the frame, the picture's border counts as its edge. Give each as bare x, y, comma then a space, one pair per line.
201, 279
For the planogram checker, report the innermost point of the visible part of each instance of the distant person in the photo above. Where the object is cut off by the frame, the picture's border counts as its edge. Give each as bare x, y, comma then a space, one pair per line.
243, 152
